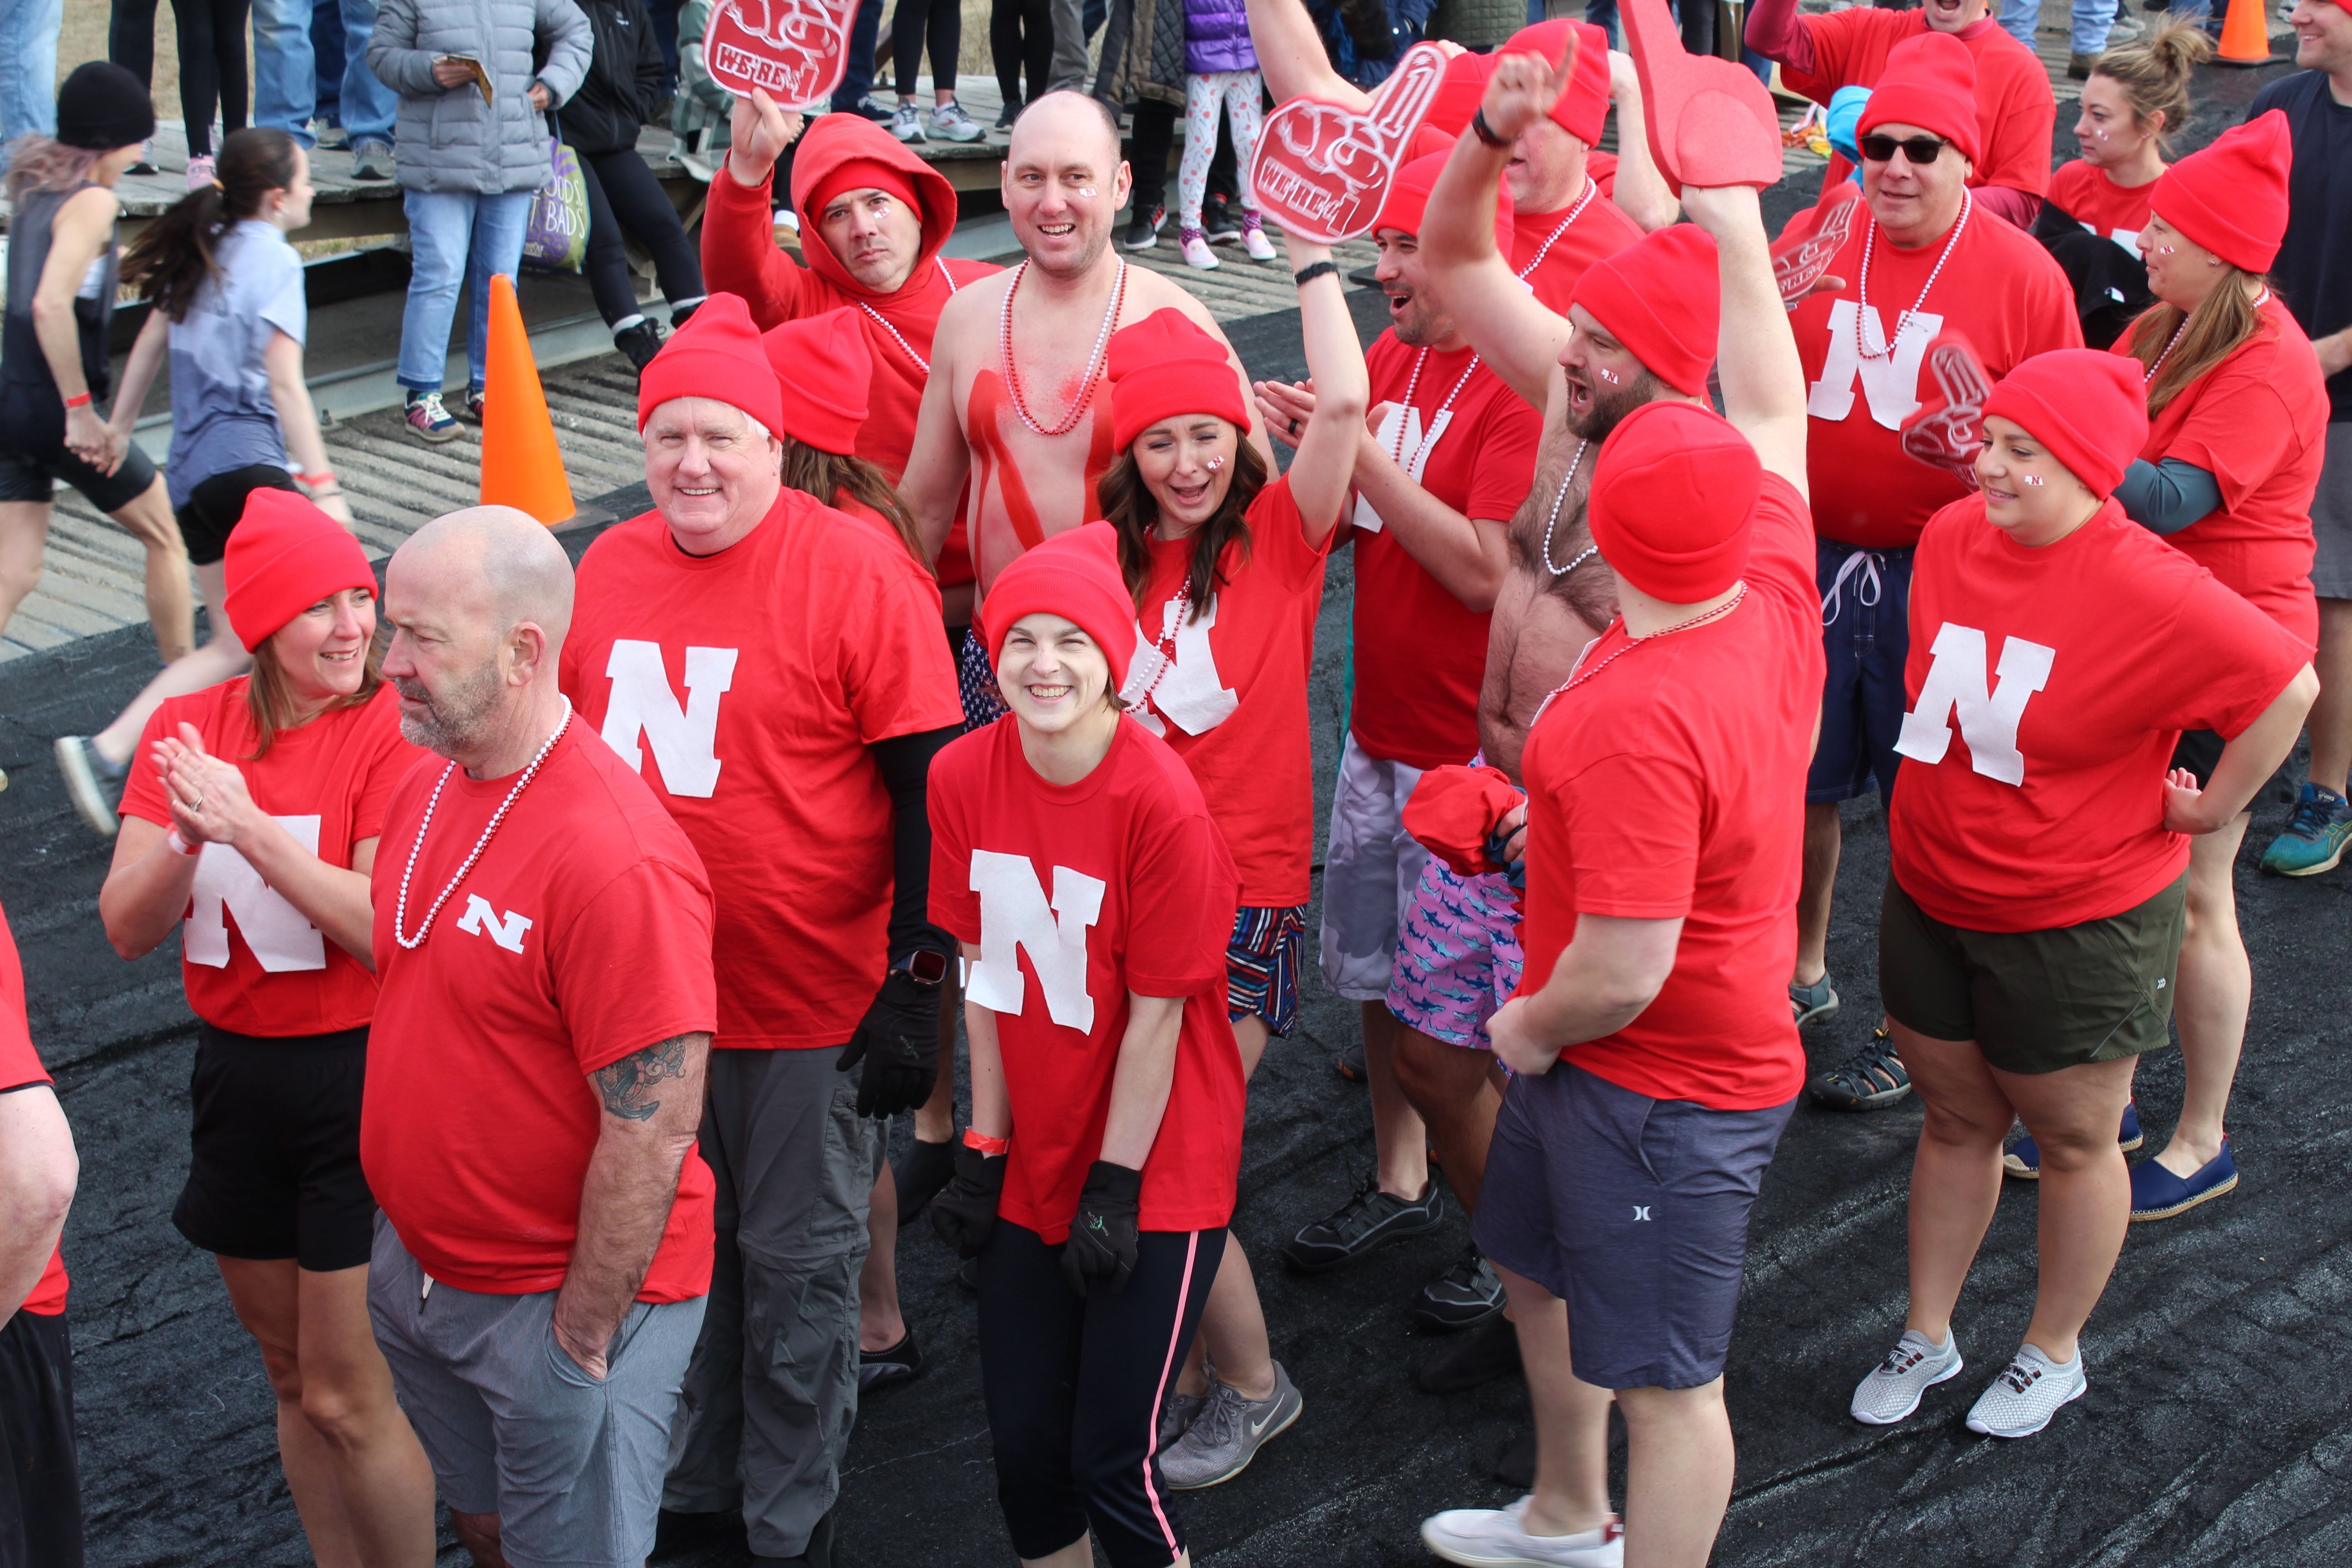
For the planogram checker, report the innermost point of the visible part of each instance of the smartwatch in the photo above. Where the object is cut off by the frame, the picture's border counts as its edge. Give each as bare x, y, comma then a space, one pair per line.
923, 967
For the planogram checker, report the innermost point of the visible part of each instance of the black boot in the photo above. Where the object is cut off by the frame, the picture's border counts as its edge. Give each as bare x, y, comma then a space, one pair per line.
640, 342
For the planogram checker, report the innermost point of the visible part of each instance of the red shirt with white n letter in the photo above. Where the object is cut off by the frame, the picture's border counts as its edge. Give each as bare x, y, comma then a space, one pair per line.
1550, 254
581, 935
2084, 193
252, 962
2047, 688
1076, 896
1998, 288
20, 1067
746, 688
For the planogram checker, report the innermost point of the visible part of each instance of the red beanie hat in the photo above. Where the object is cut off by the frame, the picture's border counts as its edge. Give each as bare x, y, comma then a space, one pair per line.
1075, 576
1164, 365
1930, 82
1660, 297
861, 175
2231, 197
825, 362
1672, 498
2089, 408
1409, 191
284, 556
717, 354
1583, 104
1458, 94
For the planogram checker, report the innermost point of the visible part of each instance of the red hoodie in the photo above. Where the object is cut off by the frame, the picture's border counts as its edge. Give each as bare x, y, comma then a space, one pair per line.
740, 256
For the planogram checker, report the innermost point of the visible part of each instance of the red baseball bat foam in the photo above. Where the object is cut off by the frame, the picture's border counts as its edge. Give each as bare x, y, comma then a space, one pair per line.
1710, 123
1322, 170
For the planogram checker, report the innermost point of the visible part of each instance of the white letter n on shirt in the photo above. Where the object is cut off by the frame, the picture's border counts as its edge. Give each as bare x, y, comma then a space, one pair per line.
1014, 914
684, 742
1989, 719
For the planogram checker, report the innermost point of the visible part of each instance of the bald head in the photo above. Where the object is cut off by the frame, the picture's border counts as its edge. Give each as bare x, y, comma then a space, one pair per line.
1062, 116
498, 567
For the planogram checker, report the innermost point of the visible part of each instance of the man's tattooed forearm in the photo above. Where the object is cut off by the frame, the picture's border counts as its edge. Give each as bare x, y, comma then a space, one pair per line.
627, 1085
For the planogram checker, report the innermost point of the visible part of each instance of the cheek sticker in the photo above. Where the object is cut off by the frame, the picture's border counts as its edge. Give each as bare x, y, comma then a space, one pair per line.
2164, 251
1215, 463
1087, 191
1607, 375
2032, 479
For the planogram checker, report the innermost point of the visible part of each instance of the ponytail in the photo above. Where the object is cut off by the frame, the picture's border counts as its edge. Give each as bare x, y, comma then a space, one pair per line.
174, 257
2154, 75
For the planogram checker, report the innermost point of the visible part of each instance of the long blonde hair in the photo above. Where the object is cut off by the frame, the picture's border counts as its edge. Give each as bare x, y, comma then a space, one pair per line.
2216, 328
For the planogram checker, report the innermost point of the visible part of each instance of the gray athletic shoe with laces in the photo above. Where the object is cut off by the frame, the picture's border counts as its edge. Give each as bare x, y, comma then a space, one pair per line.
1176, 1418
1892, 1390
2029, 1390
1227, 1434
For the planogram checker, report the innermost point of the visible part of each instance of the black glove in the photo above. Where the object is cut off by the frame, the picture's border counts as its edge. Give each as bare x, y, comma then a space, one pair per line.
964, 1211
900, 1040
1101, 1249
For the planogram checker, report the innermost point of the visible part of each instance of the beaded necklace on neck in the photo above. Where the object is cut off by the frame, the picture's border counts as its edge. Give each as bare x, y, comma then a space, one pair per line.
921, 363
1553, 520
2181, 331
400, 909
1094, 361
1861, 295
1405, 414
1590, 190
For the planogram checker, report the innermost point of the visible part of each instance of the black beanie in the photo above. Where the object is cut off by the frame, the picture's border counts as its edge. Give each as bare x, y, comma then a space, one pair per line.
102, 107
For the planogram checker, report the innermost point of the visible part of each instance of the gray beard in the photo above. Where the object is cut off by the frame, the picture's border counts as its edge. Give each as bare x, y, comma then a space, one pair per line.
456, 721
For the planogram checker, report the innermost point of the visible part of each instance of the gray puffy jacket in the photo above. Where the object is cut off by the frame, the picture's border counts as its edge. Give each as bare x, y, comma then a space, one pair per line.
447, 139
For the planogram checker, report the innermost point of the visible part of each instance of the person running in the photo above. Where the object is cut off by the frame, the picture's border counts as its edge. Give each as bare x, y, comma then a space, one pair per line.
1657, 1062
258, 807
2016, 114
774, 670
40, 1464
229, 310
62, 283
1225, 565
2039, 868
2132, 100
1921, 261
530, 1113
1099, 1174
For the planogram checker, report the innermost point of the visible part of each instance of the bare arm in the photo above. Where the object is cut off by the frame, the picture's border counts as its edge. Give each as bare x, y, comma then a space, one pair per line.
2245, 762
1290, 56
39, 1169
652, 1106
139, 373
1604, 979
1468, 555
78, 235
1763, 380
991, 1114
939, 461
298, 419
1640, 191
1139, 1084
1324, 471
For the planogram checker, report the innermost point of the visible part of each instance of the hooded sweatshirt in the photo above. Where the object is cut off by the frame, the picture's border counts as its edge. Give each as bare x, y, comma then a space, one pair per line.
740, 256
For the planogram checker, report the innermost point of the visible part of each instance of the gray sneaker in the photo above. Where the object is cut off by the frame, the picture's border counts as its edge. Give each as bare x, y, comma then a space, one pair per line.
2029, 1390
1227, 1434
1176, 1417
372, 160
1891, 1393
92, 784
951, 123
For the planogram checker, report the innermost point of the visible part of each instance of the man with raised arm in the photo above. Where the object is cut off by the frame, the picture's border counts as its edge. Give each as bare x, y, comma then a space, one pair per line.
542, 943
1656, 1063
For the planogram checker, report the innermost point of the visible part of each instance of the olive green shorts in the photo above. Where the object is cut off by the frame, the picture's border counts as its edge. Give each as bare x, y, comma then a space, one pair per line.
2035, 1001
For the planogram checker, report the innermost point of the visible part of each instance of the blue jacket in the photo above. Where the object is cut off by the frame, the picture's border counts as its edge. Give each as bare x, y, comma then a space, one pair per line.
1217, 36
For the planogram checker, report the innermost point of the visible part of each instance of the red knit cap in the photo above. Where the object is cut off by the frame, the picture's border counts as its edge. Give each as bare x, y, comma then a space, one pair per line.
1408, 198
1165, 365
284, 556
2089, 408
1458, 94
1660, 297
1075, 576
717, 354
1583, 104
861, 175
2231, 197
824, 362
1930, 82
1672, 498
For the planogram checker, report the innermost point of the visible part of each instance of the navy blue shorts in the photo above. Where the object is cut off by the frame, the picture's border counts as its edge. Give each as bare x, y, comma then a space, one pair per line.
1632, 1210
1866, 632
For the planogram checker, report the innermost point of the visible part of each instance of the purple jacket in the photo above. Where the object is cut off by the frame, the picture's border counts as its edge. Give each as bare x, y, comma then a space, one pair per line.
1217, 36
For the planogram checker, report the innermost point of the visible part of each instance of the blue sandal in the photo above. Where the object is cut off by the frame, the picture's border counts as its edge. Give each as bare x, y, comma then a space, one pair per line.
2157, 1193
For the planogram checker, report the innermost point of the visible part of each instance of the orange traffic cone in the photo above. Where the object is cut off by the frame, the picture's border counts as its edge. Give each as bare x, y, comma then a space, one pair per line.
2245, 36
520, 465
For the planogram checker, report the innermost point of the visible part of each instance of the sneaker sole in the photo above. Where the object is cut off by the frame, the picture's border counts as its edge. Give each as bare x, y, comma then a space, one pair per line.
2080, 1390
1483, 1558
1390, 1239
1839, 1101
1147, 245
1945, 1376
1263, 1438
435, 437
82, 788
2312, 870
1453, 1320
2212, 1192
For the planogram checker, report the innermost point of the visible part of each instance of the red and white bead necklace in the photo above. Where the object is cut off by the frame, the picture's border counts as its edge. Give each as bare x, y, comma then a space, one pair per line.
1069, 421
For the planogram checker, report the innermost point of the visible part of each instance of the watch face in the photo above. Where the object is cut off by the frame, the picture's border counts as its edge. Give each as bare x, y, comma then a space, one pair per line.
927, 968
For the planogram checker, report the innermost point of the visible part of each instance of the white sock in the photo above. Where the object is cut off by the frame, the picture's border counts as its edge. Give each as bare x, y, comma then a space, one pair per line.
626, 323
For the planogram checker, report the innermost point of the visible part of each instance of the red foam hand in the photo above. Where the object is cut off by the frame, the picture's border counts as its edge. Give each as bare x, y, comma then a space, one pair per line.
1454, 811
1710, 123
794, 51
1949, 428
1802, 256
1322, 170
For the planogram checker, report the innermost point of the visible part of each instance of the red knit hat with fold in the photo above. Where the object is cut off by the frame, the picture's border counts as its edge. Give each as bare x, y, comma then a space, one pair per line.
1930, 82
1458, 94
284, 556
2231, 195
825, 364
2089, 408
1583, 104
1165, 365
860, 174
1409, 191
717, 354
1673, 497
1661, 298
1075, 576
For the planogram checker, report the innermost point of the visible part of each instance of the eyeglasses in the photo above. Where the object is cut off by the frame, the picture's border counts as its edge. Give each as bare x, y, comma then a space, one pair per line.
1920, 150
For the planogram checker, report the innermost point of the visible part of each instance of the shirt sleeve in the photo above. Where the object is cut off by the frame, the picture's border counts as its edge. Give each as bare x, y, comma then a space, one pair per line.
1506, 462
1183, 891
1278, 537
739, 254
894, 665
954, 907
2018, 150
633, 967
2238, 429
142, 790
1833, 40
1632, 827
1782, 539
2236, 659
286, 308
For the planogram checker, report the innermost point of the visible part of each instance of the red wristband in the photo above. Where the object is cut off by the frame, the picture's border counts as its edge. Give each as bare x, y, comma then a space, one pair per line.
323, 477
78, 400
974, 1137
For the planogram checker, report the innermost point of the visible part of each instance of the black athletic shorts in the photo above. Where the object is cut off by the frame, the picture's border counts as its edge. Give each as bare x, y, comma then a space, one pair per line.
40, 1474
274, 1169
216, 503
32, 456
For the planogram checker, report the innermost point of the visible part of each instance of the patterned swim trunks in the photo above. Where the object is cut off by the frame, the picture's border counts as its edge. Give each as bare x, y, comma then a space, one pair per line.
1262, 965
982, 704
1458, 957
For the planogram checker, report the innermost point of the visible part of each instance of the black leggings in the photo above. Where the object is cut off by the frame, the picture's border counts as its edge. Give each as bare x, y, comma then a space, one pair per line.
40, 1470
941, 21
1072, 1389
625, 202
1021, 41
211, 36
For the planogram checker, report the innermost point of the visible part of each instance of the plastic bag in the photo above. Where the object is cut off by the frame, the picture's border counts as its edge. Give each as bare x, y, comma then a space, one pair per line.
556, 237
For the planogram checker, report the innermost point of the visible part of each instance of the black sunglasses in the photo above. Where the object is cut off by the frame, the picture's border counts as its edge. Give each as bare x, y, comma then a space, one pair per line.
1919, 148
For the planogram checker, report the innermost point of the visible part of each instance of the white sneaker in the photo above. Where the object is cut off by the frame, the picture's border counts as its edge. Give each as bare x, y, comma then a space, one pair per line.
2029, 1390
951, 123
1194, 249
1493, 1538
907, 123
1891, 1393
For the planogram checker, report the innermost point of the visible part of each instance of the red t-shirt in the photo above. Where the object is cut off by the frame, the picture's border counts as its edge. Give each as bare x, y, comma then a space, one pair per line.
2258, 423
1672, 786
2049, 809
1233, 703
327, 783
1602, 228
1076, 896
2016, 111
1420, 652
746, 687
2088, 196
581, 935
1998, 288
20, 1064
